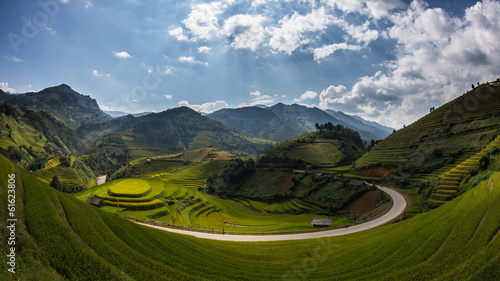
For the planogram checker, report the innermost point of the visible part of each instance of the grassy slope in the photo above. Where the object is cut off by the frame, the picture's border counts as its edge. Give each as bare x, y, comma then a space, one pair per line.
82, 242
466, 124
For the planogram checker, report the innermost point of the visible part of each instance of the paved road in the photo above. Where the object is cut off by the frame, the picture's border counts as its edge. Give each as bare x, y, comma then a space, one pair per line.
398, 207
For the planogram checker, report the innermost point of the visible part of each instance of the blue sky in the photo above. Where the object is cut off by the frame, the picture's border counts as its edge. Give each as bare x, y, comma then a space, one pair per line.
385, 60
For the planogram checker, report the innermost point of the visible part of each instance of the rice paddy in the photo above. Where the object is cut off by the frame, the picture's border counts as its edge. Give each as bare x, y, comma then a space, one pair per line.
172, 192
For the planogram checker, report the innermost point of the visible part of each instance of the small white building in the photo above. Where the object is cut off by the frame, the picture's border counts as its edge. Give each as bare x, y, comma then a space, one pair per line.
100, 180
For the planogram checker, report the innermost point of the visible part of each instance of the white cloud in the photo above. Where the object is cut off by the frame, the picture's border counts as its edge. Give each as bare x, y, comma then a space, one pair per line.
360, 33
207, 107
4, 86
306, 96
204, 49
376, 9
122, 54
191, 60
291, 34
87, 4
438, 57
13, 59
168, 97
259, 99
168, 71
105, 108
245, 31
96, 73
257, 3
325, 51
202, 23
178, 33
64, 1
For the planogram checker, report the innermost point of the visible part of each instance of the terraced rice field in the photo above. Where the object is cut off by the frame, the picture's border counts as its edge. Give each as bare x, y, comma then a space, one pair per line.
175, 196
449, 181
457, 241
133, 194
66, 175
464, 122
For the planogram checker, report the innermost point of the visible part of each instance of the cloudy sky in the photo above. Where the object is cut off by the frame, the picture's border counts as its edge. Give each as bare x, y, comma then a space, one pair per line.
385, 60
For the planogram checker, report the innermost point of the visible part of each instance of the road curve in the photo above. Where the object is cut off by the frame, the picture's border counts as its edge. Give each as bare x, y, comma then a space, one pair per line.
398, 207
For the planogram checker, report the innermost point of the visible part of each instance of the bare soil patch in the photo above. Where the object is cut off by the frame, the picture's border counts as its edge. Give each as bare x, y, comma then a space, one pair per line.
285, 183
377, 172
367, 205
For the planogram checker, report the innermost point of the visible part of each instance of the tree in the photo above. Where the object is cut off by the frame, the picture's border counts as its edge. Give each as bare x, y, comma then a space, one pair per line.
56, 183
473, 87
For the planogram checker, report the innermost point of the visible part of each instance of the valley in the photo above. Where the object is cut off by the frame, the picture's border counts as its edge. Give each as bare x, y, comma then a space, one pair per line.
235, 203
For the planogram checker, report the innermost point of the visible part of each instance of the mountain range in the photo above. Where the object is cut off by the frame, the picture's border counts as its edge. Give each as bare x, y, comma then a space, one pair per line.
281, 122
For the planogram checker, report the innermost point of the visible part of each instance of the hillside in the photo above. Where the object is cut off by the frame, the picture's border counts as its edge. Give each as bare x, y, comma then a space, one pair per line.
61, 101
37, 131
61, 236
329, 146
439, 142
282, 122
294, 169
171, 131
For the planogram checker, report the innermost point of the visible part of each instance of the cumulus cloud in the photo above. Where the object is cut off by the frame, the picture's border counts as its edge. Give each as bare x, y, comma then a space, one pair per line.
375, 9
207, 107
191, 60
291, 33
203, 23
4, 86
204, 49
178, 33
122, 54
325, 51
245, 31
438, 56
168, 97
308, 95
259, 99
96, 73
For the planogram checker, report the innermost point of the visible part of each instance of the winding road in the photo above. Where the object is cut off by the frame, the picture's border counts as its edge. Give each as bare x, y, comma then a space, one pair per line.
398, 207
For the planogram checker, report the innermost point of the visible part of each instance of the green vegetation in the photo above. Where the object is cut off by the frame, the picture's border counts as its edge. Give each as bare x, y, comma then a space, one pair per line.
449, 181
441, 146
65, 237
172, 131
172, 191
330, 145
445, 134
130, 188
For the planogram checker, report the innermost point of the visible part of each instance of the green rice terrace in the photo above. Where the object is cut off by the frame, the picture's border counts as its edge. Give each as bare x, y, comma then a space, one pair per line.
456, 130
61, 238
172, 192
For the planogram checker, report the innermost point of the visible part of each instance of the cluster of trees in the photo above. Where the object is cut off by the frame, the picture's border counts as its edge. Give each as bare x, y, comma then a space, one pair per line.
339, 132
236, 170
58, 185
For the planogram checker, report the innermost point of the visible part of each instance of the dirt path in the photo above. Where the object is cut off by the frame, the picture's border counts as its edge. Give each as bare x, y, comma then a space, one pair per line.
398, 208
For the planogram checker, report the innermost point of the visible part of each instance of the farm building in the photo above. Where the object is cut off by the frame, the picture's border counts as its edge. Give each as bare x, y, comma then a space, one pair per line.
95, 201
321, 222
100, 180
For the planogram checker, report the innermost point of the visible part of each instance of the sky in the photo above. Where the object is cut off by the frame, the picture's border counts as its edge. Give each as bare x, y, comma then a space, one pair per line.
387, 61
